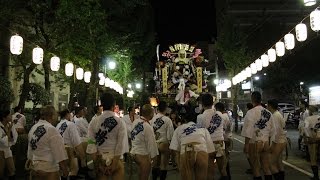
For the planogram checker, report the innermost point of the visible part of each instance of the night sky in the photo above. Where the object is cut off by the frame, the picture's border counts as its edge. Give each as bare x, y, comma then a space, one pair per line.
183, 21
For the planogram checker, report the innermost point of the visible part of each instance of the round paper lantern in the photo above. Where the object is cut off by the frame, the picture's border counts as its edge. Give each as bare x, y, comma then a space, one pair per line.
248, 72
87, 76
272, 55
280, 49
265, 60
69, 69
310, 2
289, 41
79, 73
102, 80
253, 67
315, 20
55, 63
259, 64
37, 55
16, 44
107, 82
234, 81
301, 32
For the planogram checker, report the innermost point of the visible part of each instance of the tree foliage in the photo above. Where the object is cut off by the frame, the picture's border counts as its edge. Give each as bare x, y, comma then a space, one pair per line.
38, 95
6, 92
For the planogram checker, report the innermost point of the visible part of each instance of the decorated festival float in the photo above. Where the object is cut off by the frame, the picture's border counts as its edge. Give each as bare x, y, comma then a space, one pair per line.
179, 74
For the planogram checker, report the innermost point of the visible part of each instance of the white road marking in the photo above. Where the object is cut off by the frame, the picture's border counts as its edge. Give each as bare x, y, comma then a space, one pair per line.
286, 163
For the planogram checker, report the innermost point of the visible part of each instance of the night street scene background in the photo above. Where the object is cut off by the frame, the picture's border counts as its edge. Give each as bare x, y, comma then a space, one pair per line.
67, 54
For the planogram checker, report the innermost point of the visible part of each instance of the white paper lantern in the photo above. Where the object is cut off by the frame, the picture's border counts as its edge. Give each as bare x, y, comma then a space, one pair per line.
310, 2
272, 55
259, 64
243, 75
289, 41
301, 32
55, 63
315, 20
248, 72
253, 67
87, 76
265, 60
79, 73
234, 81
69, 69
100, 75
102, 80
16, 44
37, 55
280, 49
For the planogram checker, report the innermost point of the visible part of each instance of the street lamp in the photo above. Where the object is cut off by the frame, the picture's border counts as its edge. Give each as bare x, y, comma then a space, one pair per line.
138, 85
301, 83
310, 2
129, 86
256, 78
112, 65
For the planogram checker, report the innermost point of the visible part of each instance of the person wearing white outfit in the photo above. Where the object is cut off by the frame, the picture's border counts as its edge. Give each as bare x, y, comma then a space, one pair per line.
46, 152
19, 120
107, 141
98, 110
163, 129
144, 147
192, 146
312, 138
279, 140
257, 129
68, 130
213, 121
8, 137
81, 123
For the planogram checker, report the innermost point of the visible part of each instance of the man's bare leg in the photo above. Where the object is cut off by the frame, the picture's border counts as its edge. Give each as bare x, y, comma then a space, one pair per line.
201, 166
144, 163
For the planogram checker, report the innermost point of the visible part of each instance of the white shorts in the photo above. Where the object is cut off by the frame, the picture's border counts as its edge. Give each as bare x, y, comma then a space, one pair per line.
219, 149
45, 166
108, 156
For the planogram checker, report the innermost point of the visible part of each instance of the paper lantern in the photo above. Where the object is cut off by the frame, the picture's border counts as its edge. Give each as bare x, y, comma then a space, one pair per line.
16, 44
253, 67
234, 82
272, 55
289, 41
315, 20
79, 73
280, 49
102, 80
301, 32
69, 69
248, 72
87, 76
37, 55
265, 60
259, 64
55, 63
100, 75
310, 2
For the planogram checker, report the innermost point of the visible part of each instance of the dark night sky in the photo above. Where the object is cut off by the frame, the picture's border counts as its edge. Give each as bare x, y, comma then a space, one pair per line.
185, 21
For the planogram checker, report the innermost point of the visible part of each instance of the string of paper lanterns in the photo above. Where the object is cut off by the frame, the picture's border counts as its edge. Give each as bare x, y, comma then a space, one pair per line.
16, 48
279, 49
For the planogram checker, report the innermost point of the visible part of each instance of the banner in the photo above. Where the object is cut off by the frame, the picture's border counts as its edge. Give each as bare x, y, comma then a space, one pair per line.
199, 79
164, 80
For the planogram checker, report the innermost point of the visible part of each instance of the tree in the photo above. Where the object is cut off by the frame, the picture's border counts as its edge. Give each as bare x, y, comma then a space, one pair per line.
6, 93
38, 95
235, 56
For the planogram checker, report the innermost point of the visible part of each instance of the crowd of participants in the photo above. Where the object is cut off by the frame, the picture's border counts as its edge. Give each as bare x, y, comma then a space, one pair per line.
196, 144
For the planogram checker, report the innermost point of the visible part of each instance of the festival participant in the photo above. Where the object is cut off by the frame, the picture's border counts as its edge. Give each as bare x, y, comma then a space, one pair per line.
19, 120
9, 137
144, 146
192, 146
82, 125
98, 110
163, 129
46, 151
184, 96
303, 115
279, 140
257, 128
251, 145
107, 141
68, 130
214, 123
129, 119
227, 133
312, 138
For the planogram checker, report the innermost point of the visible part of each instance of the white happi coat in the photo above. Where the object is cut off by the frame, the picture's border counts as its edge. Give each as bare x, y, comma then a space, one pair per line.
82, 125
162, 127
213, 122
68, 130
19, 120
5, 144
279, 133
312, 126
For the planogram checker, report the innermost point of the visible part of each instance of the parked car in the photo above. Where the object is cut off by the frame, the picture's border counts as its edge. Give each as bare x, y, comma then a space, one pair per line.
286, 108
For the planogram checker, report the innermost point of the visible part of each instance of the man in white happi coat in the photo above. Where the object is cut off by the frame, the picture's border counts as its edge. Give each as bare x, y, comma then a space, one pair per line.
279, 140
193, 146
8, 137
144, 147
46, 152
312, 138
68, 130
98, 110
213, 121
19, 120
163, 129
107, 141
257, 129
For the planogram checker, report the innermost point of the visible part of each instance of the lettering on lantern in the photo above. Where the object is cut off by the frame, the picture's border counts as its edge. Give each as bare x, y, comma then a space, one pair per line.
165, 80
180, 46
199, 79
